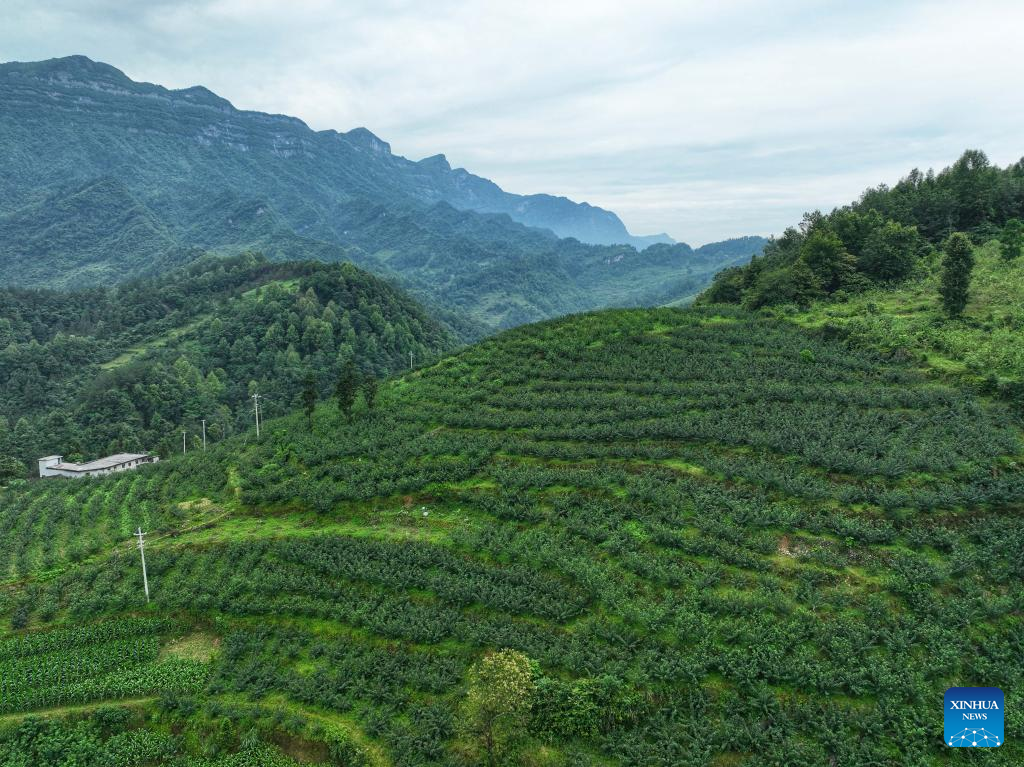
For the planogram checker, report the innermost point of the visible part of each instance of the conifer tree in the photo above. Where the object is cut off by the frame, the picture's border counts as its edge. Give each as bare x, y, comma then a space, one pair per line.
346, 388
370, 386
1011, 239
957, 264
309, 396
10, 468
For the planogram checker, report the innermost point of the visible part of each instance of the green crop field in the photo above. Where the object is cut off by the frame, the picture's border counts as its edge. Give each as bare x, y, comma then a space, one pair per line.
724, 538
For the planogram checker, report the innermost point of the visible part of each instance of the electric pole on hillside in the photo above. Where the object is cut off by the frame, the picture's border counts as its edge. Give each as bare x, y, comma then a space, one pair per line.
142, 553
183, 442
204, 435
256, 407
411, 366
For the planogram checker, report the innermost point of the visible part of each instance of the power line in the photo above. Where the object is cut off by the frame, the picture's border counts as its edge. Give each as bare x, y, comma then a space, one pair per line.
142, 553
256, 407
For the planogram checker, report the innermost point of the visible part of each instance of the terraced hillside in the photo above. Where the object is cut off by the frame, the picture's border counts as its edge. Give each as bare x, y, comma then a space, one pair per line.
723, 539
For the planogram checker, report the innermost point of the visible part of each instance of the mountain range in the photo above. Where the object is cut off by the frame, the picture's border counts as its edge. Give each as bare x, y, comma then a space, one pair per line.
107, 179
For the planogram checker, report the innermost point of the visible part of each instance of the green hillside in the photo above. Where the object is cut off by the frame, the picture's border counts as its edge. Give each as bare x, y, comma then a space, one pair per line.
130, 367
873, 272
983, 346
99, 228
721, 538
882, 239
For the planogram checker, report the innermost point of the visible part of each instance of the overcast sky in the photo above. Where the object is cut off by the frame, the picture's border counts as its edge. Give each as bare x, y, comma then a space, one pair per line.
702, 119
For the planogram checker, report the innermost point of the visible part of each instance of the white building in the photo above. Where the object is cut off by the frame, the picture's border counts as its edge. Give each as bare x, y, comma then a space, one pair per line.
55, 466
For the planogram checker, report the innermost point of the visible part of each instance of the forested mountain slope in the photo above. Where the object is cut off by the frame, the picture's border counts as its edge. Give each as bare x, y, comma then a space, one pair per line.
882, 238
720, 537
105, 179
130, 367
94, 120
876, 272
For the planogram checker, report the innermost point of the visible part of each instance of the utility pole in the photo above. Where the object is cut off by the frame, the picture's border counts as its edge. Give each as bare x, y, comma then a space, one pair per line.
142, 553
183, 442
256, 406
204, 435
410, 360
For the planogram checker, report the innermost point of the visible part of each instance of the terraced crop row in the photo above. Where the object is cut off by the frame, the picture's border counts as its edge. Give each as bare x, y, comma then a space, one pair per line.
107, 660
722, 539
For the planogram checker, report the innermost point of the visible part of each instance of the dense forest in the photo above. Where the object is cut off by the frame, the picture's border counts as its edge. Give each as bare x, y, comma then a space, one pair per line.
660, 537
883, 238
130, 367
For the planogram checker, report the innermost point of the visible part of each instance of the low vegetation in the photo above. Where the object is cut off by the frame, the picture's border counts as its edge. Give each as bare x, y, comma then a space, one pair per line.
981, 347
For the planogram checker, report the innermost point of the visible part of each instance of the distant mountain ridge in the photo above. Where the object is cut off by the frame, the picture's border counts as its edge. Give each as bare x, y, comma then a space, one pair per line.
106, 179
78, 84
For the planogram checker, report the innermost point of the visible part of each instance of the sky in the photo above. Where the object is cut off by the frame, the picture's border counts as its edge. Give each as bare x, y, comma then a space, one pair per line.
704, 120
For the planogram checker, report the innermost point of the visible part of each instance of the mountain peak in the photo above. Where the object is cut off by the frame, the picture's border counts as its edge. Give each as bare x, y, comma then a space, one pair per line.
363, 137
75, 91
68, 67
198, 94
435, 162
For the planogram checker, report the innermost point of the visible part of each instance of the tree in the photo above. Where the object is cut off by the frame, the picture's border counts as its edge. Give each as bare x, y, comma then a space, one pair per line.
309, 398
804, 283
854, 227
24, 437
346, 388
1011, 239
957, 264
824, 253
972, 181
796, 285
497, 706
10, 468
727, 287
370, 386
889, 252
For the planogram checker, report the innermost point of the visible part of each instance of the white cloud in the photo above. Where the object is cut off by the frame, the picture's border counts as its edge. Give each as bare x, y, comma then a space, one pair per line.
701, 119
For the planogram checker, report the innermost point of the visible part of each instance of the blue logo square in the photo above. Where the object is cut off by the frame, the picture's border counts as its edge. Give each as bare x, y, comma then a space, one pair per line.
974, 717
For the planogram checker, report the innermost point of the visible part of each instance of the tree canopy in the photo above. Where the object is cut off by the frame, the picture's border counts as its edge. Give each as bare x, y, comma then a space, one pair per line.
882, 237
127, 368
